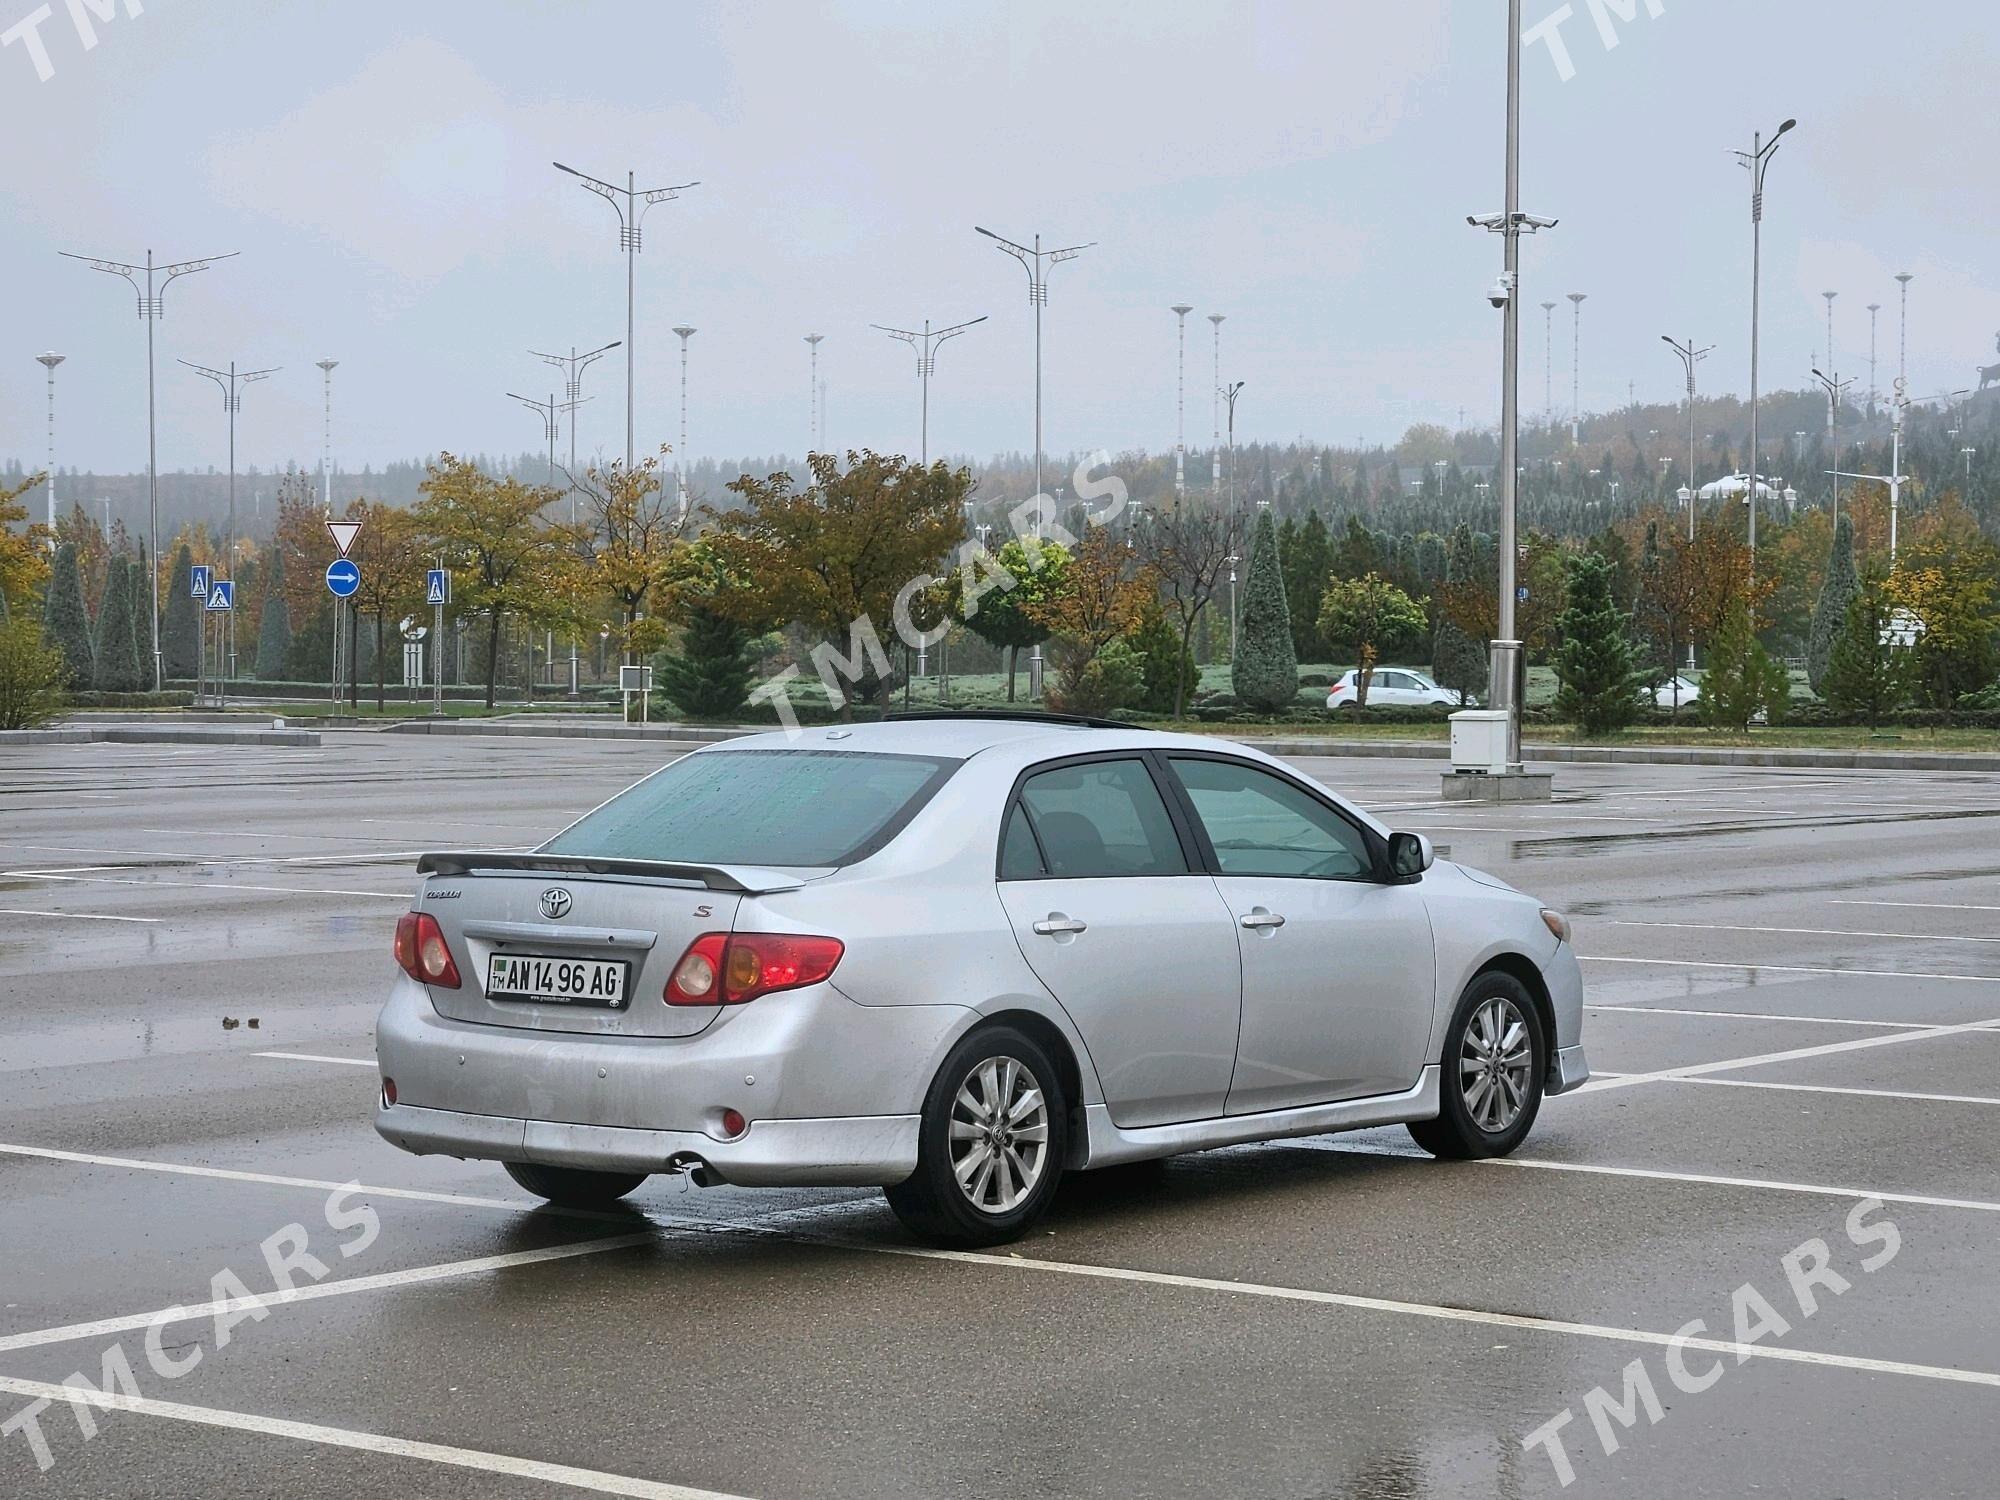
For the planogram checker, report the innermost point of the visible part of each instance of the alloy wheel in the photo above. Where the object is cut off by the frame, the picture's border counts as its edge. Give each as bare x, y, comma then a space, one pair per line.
999, 1135
1495, 1063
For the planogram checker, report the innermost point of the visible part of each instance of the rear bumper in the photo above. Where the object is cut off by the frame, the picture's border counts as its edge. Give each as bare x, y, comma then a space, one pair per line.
856, 1151
832, 1089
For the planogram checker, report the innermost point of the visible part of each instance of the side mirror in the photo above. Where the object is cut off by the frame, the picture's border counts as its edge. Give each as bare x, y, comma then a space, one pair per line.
1410, 854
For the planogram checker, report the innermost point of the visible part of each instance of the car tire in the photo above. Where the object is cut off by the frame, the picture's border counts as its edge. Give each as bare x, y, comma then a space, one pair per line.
573, 1187
1492, 1113
991, 1145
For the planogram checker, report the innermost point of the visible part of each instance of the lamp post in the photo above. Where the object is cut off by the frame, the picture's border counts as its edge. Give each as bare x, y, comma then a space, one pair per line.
1873, 309
326, 369
1548, 358
1031, 259
1829, 326
152, 304
1835, 388
631, 216
1229, 395
1690, 357
1180, 311
1757, 160
1968, 452
230, 382
684, 333
1510, 224
49, 361
1895, 477
573, 365
1903, 280
1575, 364
926, 343
812, 396
1215, 400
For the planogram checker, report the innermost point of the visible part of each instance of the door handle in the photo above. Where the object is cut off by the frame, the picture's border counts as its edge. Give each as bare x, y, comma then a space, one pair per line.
1055, 922
1262, 918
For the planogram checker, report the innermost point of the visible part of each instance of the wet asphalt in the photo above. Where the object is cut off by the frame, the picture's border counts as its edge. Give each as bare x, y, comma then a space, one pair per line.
1812, 956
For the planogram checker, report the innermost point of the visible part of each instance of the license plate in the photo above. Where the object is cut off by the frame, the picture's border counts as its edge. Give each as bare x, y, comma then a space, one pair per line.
556, 981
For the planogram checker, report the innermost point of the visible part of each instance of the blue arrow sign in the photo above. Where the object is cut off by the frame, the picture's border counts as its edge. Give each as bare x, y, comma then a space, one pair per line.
342, 578
198, 580
437, 586
221, 596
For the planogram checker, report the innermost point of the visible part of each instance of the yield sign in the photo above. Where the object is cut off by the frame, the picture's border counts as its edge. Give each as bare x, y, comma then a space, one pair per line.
343, 533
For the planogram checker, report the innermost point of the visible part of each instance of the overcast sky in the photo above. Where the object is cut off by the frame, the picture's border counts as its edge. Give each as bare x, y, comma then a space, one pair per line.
1303, 166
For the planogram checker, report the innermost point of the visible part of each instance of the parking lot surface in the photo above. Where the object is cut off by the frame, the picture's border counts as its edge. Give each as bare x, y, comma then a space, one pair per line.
1794, 989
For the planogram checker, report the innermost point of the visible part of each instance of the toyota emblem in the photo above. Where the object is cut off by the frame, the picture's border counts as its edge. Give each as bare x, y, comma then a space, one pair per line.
555, 902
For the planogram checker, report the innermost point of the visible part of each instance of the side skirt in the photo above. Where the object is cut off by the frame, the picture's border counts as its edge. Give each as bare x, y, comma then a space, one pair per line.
1108, 1145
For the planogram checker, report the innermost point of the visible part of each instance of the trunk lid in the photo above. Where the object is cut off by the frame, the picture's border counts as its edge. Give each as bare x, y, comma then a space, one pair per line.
554, 922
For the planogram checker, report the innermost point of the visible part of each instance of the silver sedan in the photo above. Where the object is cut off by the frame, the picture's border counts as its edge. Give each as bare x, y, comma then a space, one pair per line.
955, 958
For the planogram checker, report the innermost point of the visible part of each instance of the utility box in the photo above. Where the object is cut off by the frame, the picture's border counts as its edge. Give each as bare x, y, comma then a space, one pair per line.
1479, 742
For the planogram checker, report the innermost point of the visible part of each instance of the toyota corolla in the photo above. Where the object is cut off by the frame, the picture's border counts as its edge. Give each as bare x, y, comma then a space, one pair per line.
956, 958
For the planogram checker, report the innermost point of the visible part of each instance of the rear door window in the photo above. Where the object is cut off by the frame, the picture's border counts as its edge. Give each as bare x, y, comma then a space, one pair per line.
1098, 818
760, 807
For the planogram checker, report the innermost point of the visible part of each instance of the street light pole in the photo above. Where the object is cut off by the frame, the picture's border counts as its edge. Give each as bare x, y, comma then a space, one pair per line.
1873, 309
1690, 357
1229, 395
631, 216
1031, 260
1575, 364
573, 365
1834, 387
925, 343
1215, 401
1898, 404
684, 332
229, 382
326, 368
1903, 279
1548, 358
1180, 311
152, 304
812, 396
49, 361
1829, 326
1757, 160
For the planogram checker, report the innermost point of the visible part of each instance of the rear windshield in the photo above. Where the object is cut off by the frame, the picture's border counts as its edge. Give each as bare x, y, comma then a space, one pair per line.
760, 807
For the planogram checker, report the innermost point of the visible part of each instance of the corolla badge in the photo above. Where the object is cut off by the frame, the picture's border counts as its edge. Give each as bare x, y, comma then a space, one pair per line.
555, 902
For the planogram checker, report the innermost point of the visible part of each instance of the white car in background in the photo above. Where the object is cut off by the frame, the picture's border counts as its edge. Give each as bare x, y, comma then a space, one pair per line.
1393, 687
1664, 696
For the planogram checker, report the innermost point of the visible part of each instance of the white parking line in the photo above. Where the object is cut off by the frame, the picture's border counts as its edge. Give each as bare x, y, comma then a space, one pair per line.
1695, 963
225, 1174
592, 1480
1918, 905
314, 1057
1754, 1015
1444, 1314
203, 885
1923, 937
1653, 1174
73, 916
1824, 1049
319, 1291
1821, 1088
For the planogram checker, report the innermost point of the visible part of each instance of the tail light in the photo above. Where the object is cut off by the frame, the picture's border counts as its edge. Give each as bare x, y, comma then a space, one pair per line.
423, 952
733, 968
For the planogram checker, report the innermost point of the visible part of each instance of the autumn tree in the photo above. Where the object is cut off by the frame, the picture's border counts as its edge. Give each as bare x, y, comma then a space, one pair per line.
631, 532
508, 558
999, 602
1944, 575
1369, 616
1104, 593
1187, 548
24, 553
389, 551
844, 557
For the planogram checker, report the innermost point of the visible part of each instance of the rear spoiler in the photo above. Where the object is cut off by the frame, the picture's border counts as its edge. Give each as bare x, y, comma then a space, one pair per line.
747, 880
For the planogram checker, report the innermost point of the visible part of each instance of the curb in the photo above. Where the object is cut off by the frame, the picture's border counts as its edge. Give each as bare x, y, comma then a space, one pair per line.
165, 734
1437, 750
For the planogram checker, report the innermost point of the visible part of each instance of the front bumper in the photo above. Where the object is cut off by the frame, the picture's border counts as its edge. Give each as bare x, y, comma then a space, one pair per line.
1564, 977
855, 1151
1568, 1070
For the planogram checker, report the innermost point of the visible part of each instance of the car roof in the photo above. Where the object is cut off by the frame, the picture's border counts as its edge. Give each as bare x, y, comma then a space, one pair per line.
959, 738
